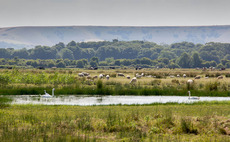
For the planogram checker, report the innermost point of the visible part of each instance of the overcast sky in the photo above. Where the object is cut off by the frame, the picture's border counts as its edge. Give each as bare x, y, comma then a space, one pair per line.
114, 12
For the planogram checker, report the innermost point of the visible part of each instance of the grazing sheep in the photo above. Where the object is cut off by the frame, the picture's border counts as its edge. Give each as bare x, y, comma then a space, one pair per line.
107, 77
138, 76
95, 77
190, 81
81, 75
184, 75
220, 77
89, 77
197, 77
101, 76
142, 74
133, 80
85, 73
120, 74
128, 77
178, 75
172, 76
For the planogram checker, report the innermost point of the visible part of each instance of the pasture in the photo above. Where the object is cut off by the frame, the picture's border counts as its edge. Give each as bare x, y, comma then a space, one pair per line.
149, 82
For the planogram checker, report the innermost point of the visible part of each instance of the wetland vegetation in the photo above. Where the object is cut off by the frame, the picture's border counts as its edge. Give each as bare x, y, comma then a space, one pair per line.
153, 82
201, 121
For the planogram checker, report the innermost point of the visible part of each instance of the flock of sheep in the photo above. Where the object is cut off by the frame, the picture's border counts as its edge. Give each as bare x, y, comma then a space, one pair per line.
134, 79
87, 75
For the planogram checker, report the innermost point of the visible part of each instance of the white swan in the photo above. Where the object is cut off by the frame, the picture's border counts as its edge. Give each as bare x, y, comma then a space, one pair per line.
192, 98
46, 95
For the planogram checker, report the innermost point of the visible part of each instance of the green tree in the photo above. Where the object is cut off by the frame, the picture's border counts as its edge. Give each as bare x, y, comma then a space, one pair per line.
61, 64
4, 53
93, 64
66, 54
184, 61
94, 59
173, 65
80, 64
196, 60
22, 53
146, 61
117, 63
72, 43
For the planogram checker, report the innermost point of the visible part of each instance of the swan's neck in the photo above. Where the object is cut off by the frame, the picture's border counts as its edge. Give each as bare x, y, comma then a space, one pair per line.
189, 94
52, 92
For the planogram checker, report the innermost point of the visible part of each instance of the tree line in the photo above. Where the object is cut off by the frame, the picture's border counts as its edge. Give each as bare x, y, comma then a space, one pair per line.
120, 53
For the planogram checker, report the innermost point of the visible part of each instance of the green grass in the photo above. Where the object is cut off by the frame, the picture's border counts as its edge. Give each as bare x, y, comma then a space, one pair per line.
156, 122
108, 90
32, 81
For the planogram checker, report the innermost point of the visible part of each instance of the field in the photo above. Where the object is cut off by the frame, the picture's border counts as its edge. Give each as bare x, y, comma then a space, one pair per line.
204, 121
153, 82
200, 121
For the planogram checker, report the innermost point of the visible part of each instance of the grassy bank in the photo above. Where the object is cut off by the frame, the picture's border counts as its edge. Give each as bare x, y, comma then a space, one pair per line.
31, 81
168, 122
120, 90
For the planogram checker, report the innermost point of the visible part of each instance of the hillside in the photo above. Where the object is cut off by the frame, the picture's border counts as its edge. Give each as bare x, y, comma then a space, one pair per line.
31, 36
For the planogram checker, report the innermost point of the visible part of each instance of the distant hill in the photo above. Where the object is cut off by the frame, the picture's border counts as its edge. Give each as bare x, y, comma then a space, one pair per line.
20, 37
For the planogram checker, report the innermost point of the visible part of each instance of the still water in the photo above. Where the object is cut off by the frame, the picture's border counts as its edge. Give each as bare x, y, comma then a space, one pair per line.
85, 100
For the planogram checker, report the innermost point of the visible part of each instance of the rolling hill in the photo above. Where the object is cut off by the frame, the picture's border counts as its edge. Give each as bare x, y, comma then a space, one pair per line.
19, 37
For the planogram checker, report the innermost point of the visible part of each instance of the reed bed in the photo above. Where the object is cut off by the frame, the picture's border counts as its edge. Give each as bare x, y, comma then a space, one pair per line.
203, 121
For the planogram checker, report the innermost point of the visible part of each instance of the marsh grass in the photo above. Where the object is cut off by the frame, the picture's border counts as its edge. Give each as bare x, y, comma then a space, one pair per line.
66, 81
156, 122
4, 101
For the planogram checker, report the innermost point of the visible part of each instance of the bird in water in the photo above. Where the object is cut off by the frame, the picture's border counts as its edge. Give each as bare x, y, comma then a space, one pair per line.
192, 98
46, 95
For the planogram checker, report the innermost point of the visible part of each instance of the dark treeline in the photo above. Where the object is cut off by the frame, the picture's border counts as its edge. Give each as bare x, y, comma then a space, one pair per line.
121, 53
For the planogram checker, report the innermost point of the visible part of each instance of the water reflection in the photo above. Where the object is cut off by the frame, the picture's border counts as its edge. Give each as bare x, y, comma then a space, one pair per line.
105, 100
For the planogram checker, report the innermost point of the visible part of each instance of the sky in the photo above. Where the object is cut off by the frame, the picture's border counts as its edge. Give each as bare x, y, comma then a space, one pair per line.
114, 12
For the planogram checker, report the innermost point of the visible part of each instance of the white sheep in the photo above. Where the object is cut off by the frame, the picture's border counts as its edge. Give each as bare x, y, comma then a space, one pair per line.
184, 75
220, 77
107, 77
190, 81
120, 74
197, 77
81, 75
133, 80
101, 76
138, 76
85, 73
89, 77
128, 77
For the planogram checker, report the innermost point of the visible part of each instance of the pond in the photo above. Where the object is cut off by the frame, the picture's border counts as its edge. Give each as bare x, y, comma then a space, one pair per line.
85, 100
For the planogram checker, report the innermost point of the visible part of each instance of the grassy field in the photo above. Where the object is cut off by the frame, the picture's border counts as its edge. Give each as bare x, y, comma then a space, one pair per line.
67, 81
209, 121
